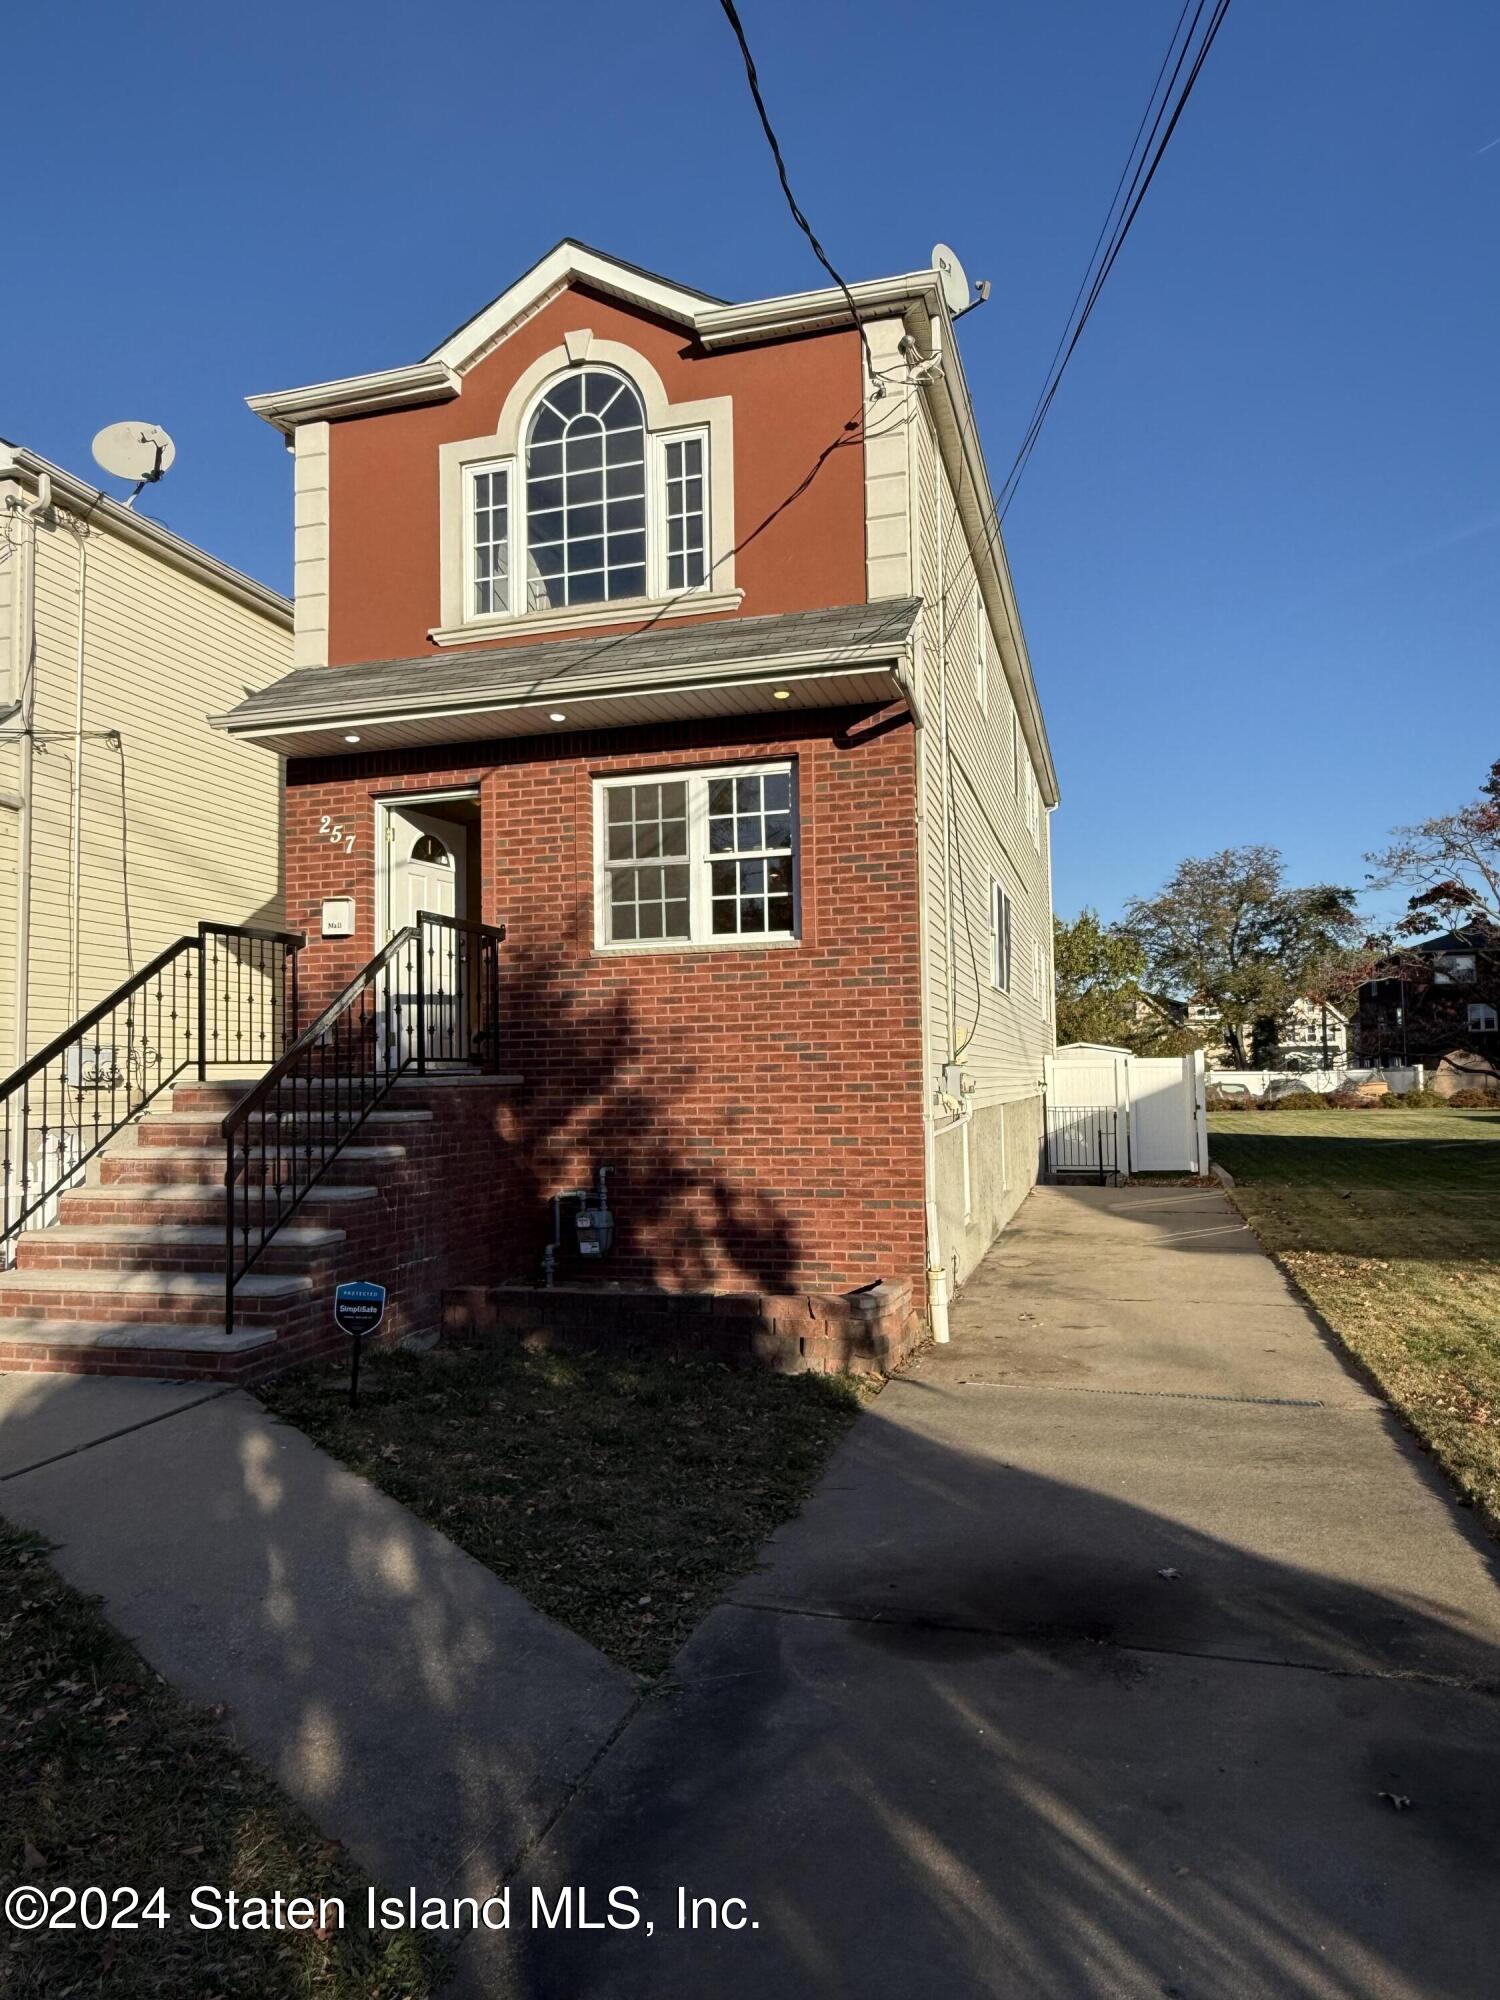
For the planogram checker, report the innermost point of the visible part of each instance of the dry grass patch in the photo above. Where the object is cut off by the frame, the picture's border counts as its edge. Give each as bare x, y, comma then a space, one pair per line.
1390, 1223
111, 1779
620, 1491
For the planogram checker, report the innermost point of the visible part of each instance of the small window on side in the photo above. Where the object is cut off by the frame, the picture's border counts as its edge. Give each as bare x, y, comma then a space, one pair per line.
1000, 938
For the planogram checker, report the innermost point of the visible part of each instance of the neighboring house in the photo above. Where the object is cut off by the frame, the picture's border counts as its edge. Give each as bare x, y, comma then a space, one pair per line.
116, 639
640, 623
1444, 1000
1311, 1034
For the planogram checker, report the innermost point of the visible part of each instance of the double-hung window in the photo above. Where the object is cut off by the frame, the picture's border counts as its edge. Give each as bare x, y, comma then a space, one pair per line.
1000, 937
685, 510
488, 579
697, 858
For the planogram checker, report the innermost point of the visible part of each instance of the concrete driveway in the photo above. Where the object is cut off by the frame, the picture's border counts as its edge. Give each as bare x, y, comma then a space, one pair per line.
1127, 1648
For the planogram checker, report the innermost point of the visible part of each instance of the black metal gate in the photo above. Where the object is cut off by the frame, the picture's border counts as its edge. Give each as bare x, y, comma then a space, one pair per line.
1083, 1142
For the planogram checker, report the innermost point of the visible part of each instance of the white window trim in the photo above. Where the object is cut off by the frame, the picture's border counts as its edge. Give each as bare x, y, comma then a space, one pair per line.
709, 416
700, 915
656, 512
1002, 936
471, 472
1478, 1023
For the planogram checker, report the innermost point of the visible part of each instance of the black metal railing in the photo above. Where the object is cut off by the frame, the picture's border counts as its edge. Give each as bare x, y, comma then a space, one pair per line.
1083, 1139
430, 999
70, 1099
458, 992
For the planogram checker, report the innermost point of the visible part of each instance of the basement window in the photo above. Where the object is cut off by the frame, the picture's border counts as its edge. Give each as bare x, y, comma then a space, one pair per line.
707, 859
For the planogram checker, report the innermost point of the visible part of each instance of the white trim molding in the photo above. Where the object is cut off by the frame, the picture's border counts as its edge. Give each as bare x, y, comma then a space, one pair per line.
310, 546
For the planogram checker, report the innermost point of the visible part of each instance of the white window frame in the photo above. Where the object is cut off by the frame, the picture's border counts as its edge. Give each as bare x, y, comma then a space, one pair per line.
1036, 968
701, 936
1015, 752
657, 554
981, 652
1454, 968
1480, 1025
471, 473
1002, 936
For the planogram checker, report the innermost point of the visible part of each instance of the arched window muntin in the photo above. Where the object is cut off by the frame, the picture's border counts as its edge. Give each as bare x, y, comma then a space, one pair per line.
586, 485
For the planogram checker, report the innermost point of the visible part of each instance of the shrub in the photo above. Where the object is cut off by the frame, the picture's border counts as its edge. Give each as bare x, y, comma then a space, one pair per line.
1425, 1099
1474, 1100
1295, 1100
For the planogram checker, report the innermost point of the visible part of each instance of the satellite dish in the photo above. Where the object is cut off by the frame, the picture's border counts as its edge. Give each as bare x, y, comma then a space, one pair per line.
952, 276
139, 452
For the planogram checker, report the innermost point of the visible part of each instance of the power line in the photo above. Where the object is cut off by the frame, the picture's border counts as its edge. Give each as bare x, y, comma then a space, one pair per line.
1140, 183
732, 15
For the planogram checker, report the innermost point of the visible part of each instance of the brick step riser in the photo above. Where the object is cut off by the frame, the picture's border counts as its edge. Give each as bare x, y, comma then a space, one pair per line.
207, 1137
95, 1261
137, 1164
143, 1308
107, 1204
212, 1100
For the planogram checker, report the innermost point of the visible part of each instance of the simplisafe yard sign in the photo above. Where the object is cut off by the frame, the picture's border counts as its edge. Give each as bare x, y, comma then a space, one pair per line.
358, 1309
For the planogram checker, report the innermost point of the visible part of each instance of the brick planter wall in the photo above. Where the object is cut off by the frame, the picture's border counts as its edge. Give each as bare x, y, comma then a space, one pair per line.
867, 1332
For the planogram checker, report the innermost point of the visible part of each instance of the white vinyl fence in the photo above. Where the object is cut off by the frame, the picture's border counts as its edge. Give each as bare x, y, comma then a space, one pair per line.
1112, 1112
1276, 1082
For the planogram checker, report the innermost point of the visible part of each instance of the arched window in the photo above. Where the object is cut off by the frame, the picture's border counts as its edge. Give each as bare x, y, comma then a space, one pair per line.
586, 493
430, 849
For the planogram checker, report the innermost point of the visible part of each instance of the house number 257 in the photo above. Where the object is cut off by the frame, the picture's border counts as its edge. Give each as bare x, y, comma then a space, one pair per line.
332, 831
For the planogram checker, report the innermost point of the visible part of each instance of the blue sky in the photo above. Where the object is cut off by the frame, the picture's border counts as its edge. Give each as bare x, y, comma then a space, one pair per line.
1258, 548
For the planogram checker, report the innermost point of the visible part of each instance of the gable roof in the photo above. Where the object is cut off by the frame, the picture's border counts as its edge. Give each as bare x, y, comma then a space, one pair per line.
713, 322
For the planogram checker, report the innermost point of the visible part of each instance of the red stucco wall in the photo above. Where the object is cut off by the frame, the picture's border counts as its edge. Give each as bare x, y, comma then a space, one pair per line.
792, 400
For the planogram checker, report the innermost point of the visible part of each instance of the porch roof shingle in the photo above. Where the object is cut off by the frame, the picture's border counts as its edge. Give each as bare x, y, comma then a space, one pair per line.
862, 634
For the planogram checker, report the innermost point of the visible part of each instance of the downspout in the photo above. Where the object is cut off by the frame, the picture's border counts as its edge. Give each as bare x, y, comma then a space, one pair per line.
27, 692
75, 970
937, 1269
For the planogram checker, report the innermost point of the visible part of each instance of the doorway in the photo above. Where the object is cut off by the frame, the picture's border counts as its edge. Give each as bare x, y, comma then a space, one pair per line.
429, 852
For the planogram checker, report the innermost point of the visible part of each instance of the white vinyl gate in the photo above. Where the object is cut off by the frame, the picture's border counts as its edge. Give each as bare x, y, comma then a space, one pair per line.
1112, 1112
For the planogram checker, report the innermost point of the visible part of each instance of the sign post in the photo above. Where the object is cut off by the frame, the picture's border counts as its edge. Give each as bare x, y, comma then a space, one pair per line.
358, 1309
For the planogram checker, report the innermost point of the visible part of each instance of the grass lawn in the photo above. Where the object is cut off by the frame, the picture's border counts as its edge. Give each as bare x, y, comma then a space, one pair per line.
620, 1491
111, 1779
1390, 1223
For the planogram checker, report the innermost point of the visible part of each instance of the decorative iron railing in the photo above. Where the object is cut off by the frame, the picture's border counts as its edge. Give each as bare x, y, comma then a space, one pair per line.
228, 995
429, 1000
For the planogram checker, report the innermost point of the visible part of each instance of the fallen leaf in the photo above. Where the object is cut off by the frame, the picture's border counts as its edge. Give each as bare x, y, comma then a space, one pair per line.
1398, 1801
1169, 1573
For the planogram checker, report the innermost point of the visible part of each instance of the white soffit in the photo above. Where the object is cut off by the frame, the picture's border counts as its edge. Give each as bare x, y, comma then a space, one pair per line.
875, 686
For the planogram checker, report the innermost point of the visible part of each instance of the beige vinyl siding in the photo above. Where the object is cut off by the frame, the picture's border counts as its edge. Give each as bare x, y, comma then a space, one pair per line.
974, 831
178, 823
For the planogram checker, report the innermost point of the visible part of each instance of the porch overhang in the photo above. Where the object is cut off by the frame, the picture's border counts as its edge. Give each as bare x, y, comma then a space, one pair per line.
852, 657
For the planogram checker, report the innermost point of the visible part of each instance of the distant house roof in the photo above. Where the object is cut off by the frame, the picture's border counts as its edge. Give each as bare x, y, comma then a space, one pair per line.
1481, 935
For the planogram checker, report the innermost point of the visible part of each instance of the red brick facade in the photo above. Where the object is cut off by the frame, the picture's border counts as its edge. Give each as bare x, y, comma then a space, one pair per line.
760, 1108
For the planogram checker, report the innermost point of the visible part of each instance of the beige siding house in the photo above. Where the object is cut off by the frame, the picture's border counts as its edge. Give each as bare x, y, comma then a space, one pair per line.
117, 639
987, 784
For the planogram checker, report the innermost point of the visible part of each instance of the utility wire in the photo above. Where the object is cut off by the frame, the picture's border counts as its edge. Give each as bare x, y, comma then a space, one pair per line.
1139, 185
732, 15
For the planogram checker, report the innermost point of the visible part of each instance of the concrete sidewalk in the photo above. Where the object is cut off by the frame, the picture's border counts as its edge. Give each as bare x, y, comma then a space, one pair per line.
1097, 1666
420, 1711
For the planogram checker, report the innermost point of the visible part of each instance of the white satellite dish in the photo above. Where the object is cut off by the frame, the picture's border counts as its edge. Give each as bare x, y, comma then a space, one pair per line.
953, 277
140, 452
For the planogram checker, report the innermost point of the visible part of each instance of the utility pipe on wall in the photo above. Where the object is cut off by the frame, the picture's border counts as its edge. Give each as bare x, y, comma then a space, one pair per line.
27, 694
75, 970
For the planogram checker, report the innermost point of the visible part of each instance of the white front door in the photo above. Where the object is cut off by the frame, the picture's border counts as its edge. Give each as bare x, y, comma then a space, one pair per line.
425, 865
426, 862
